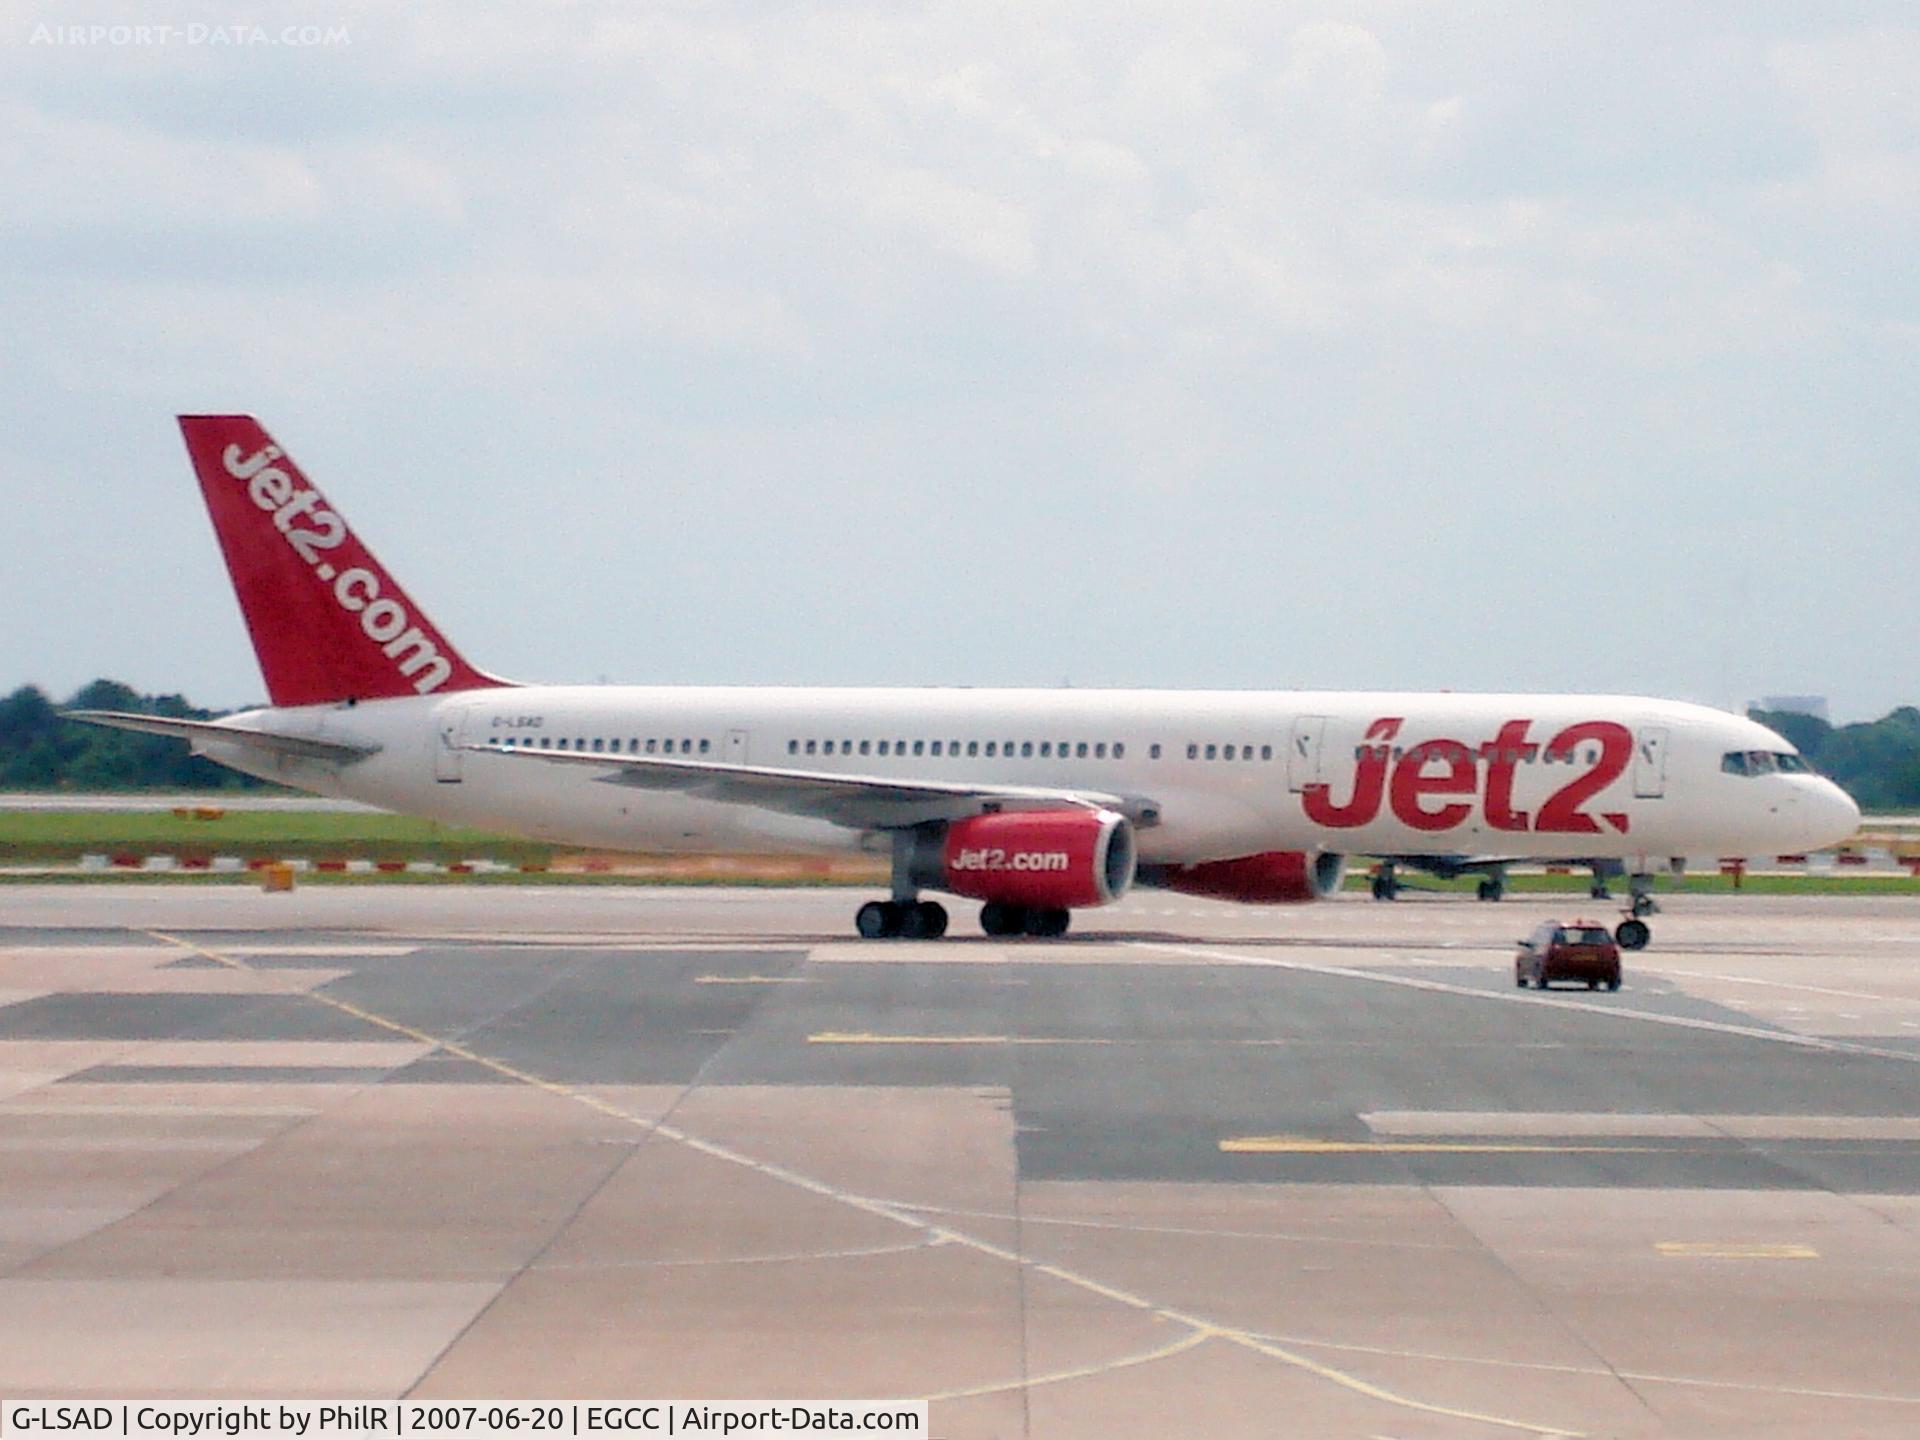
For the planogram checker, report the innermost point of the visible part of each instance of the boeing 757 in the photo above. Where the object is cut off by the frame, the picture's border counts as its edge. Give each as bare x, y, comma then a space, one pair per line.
1035, 803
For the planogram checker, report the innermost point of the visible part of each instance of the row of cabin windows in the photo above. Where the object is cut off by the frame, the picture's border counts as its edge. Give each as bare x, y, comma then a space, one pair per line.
1228, 752
601, 745
1025, 749
1528, 755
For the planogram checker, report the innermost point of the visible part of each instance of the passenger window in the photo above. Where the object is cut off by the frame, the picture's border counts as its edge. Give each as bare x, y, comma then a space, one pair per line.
1026, 748
990, 749
706, 746
1100, 750
812, 746
1080, 750
1153, 751
1266, 752
883, 747
1213, 752
1046, 749
793, 747
973, 748
1193, 752
1226, 752
866, 747
1119, 749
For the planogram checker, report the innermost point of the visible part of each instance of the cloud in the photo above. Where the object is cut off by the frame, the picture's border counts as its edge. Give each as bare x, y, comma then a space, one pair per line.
1074, 298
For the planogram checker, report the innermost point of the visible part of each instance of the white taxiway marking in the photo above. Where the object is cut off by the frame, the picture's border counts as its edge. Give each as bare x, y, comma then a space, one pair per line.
1200, 1327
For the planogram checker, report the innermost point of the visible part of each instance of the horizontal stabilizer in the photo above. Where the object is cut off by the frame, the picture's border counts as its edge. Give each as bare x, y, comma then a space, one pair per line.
201, 732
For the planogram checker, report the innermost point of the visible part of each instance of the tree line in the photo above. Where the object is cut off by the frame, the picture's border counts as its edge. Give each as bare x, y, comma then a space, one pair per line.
1878, 761
39, 750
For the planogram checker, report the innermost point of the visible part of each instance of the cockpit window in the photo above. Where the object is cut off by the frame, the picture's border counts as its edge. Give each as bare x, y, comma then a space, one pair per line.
1764, 762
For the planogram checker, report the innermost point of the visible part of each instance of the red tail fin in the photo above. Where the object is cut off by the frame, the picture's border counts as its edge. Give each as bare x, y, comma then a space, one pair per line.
327, 621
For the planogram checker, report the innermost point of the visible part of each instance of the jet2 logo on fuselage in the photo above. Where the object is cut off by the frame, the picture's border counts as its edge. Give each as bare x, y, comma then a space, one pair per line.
1450, 771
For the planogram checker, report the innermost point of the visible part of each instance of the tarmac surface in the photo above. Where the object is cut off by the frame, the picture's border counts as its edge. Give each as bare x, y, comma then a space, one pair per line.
1196, 1170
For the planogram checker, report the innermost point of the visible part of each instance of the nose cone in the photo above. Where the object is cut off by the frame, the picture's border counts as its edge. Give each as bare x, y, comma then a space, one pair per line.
1832, 817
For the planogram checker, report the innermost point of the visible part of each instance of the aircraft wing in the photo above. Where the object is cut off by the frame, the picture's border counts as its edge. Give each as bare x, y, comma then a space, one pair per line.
864, 802
198, 732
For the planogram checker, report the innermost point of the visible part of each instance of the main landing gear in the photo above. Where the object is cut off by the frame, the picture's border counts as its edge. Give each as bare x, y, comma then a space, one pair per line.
998, 919
927, 920
901, 920
1634, 932
1494, 886
1386, 885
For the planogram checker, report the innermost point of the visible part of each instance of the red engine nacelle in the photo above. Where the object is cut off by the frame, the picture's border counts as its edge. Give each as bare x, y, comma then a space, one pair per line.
1275, 877
1047, 859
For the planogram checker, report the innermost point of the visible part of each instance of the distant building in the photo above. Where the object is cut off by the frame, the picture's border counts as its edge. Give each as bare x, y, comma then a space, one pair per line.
1814, 705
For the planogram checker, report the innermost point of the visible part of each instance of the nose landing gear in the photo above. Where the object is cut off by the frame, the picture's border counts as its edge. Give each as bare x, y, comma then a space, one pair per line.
1634, 932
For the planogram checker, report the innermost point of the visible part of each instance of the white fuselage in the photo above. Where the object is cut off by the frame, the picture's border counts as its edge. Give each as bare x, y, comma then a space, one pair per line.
1225, 773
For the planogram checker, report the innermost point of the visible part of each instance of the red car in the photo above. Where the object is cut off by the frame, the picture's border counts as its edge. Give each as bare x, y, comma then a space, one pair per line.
1578, 951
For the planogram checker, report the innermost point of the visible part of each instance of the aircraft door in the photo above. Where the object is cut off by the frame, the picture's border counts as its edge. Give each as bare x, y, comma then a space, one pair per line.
736, 750
1650, 764
1303, 752
446, 751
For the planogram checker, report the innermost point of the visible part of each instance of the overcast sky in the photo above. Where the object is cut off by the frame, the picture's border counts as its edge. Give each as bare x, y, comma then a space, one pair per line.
1394, 346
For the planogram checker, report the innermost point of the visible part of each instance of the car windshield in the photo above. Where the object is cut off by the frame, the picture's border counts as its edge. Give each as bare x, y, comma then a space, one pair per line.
1588, 935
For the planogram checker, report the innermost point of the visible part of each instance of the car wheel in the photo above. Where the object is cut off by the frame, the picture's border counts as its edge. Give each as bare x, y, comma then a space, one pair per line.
1633, 935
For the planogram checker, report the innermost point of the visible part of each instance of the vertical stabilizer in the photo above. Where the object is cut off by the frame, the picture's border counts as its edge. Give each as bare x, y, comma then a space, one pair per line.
327, 620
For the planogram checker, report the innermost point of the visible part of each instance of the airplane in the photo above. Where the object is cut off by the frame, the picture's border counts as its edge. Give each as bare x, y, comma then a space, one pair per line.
1035, 803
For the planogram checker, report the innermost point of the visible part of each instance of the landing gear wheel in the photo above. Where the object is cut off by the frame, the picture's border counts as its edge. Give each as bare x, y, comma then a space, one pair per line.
998, 919
912, 924
1047, 924
1633, 935
1492, 889
932, 918
877, 920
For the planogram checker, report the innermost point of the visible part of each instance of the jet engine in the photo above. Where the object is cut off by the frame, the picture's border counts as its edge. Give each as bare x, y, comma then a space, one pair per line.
1038, 859
1273, 877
